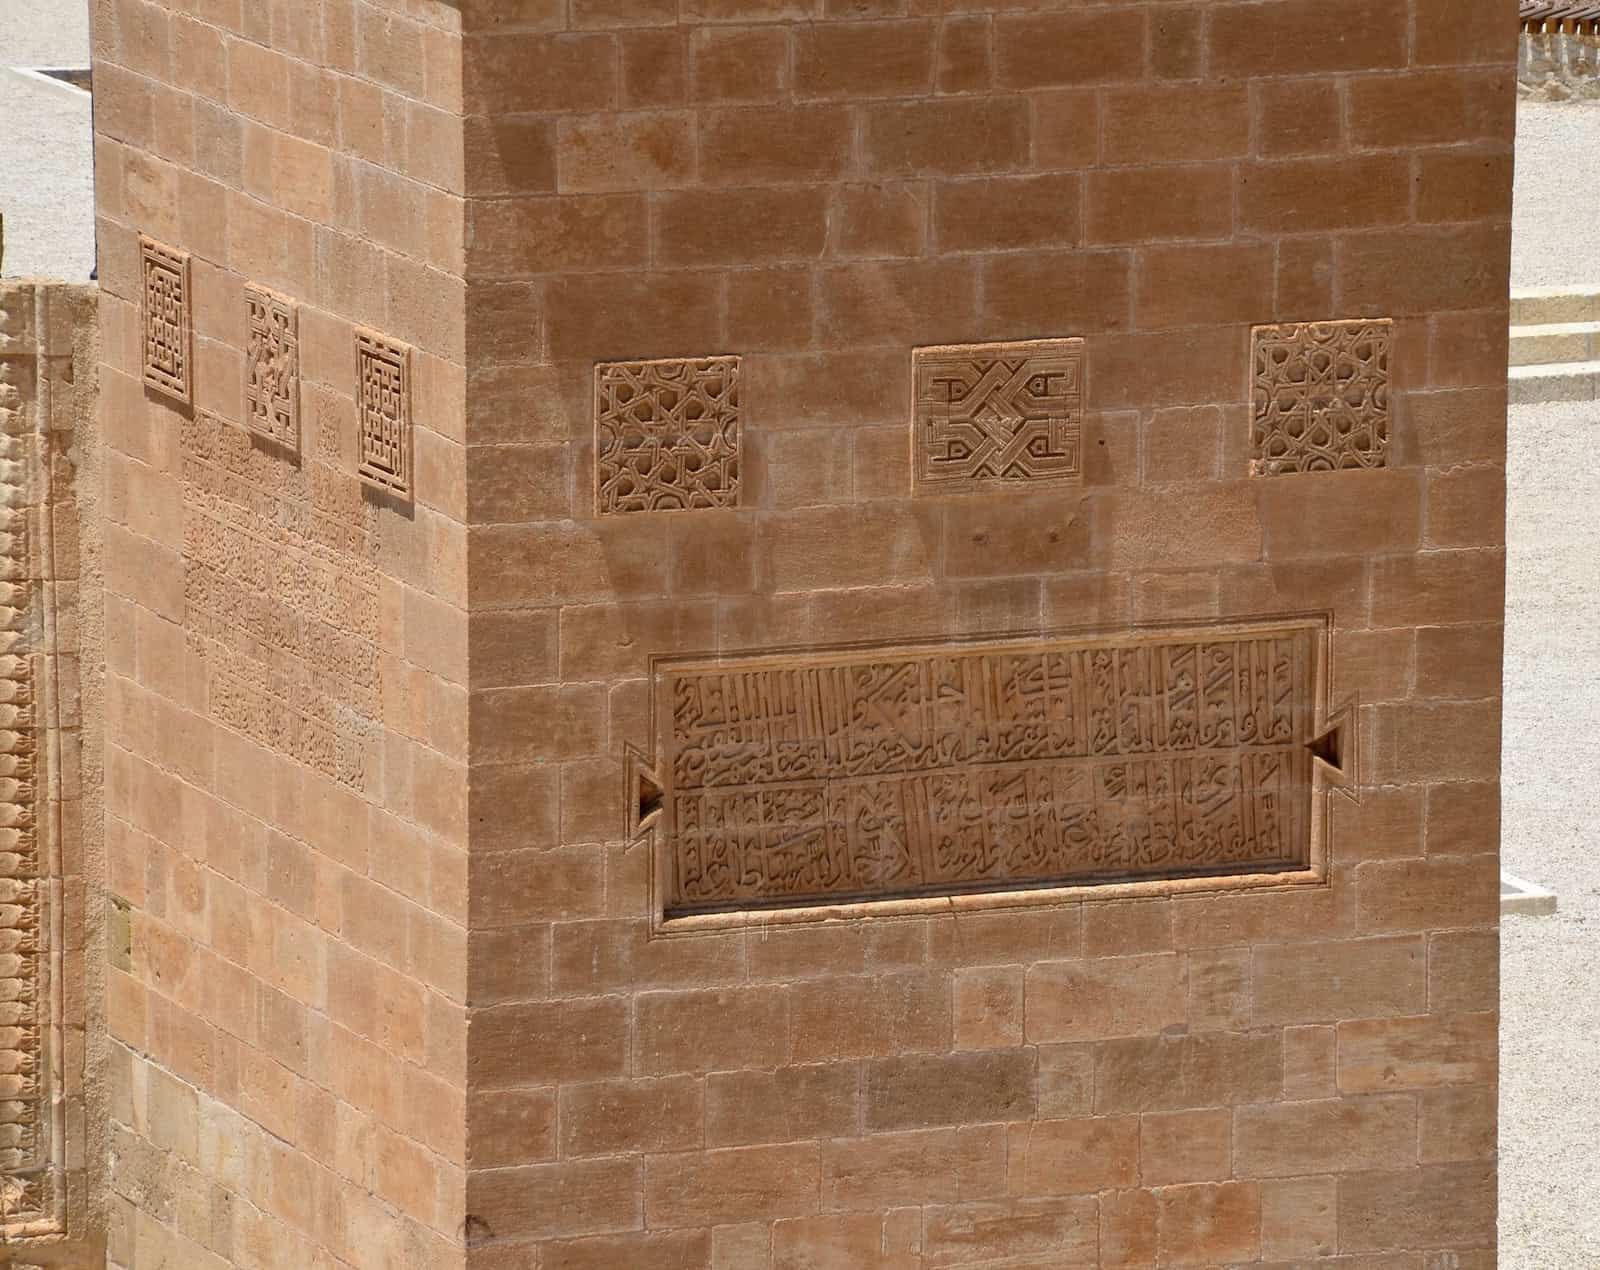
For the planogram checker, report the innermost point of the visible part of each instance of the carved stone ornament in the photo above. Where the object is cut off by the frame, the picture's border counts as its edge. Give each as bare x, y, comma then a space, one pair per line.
166, 322
1320, 395
997, 416
843, 775
667, 435
383, 412
272, 366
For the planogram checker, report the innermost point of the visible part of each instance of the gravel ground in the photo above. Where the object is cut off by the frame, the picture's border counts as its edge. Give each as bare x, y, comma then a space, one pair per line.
46, 147
1550, 1064
1553, 238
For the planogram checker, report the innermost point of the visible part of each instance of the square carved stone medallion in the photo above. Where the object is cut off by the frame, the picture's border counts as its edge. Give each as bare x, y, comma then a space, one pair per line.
272, 366
667, 434
165, 321
1320, 396
383, 412
991, 417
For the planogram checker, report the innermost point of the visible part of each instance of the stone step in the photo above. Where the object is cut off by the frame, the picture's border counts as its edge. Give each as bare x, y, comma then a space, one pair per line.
1555, 342
1538, 306
1525, 898
1560, 381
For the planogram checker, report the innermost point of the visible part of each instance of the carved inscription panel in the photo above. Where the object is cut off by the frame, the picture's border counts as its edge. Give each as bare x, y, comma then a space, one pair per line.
851, 775
666, 435
383, 411
167, 328
1320, 396
997, 416
272, 366
281, 599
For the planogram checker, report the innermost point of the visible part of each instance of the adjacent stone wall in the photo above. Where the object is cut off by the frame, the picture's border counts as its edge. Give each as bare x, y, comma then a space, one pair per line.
286, 662
807, 343
1559, 61
52, 1089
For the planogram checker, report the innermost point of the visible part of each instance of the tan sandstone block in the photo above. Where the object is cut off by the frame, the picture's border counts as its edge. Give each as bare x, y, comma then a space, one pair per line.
1344, 1134
1069, 1157
1418, 1053
1211, 1223
1185, 1146
706, 1188
1115, 996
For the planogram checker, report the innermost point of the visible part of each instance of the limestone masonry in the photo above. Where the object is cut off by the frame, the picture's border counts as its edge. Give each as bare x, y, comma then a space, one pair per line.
782, 635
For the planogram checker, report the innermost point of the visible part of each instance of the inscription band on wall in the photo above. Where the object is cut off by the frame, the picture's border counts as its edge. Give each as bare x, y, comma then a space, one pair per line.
848, 775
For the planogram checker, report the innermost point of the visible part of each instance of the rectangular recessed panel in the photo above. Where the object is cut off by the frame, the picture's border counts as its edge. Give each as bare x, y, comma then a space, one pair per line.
849, 774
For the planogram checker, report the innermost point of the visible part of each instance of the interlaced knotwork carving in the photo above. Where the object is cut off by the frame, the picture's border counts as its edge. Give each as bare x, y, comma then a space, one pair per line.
997, 416
272, 366
383, 409
853, 775
1321, 396
666, 434
165, 320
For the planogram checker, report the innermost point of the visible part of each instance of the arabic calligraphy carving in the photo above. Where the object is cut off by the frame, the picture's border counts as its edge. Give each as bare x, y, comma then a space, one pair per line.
281, 599
164, 316
383, 407
854, 775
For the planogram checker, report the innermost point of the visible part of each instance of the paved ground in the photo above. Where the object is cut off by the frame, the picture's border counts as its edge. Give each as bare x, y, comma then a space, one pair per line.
46, 152
1550, 966
1558, 170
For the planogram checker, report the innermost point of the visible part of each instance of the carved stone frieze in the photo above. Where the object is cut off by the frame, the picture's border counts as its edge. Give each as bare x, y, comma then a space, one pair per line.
281, 600
667, 435
383, 412
843, 775
997, 416
166, 321
1320, 395
272, 366
34, 781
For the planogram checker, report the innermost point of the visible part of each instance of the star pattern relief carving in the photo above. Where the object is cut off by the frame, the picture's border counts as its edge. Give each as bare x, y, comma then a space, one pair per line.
667, 435
1320, 396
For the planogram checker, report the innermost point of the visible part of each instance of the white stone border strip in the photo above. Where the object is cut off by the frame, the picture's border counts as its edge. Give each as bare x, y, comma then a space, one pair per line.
1524, 899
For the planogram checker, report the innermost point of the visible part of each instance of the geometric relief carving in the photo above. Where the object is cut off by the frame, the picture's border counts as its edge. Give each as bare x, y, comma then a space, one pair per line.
992, 417
383, 409
281, 600
272, 366
164, 299
1320, 396
847, 775
666, 434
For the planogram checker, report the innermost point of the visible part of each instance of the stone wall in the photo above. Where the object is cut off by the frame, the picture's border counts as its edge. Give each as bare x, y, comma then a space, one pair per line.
279, 229
750, 635
1559, 64
52, 1090
883, 426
